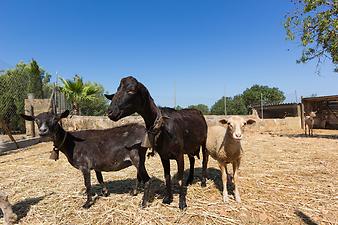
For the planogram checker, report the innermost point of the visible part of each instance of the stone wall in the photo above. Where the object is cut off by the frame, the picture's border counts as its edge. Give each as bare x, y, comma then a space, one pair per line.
103, 122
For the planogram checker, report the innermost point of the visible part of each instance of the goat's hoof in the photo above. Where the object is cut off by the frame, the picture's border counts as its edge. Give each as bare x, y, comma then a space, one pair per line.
144, 205
189, 182
87, 205
182, 205
106, 193
133, 192
203, 183
167, 200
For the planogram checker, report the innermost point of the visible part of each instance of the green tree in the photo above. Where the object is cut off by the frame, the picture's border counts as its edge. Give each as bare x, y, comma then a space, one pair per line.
201, 107
47, 87
235, 106
252, 96
178, 107
97, 106
35, 79
15, 84
315, 23
78, 92
218, 107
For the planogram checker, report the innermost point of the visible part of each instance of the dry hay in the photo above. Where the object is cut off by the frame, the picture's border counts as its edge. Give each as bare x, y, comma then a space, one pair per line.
284, 179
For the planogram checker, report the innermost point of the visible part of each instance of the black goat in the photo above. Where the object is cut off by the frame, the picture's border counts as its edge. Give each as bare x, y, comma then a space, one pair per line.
100, 150
172, 133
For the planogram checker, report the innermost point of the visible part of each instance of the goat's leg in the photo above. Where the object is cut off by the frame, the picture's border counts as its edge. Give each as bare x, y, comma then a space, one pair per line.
86, 176
169, 195
99, 177
204, 166
183, 189
191, 171
222, 167
144, 177
235, 166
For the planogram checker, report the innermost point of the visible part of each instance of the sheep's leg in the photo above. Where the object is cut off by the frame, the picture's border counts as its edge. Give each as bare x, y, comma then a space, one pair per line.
191, 172
305, 130
99, 177
229, 178
86, 176
235, 166
204, 166
183, 189
9, 216
222, 167
166, 167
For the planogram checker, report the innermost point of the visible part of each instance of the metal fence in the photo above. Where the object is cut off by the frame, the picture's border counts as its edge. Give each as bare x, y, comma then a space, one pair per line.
12, 95
13, 92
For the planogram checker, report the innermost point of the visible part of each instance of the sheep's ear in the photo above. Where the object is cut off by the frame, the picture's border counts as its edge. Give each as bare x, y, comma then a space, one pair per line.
109, 97
27, 117
250, 121
223, 121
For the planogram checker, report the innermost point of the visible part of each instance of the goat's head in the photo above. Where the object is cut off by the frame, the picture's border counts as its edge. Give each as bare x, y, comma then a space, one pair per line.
127, 100
47, 122
235, 126
313, 114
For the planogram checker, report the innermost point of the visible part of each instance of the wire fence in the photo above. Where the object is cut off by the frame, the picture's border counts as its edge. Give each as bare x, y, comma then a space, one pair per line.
13, 92
12, 95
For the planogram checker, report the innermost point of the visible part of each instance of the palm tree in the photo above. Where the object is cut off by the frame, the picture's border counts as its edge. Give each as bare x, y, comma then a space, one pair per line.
77, 91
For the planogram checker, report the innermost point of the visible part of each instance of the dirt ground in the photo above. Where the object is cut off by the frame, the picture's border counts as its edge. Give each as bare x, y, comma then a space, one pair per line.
285, 178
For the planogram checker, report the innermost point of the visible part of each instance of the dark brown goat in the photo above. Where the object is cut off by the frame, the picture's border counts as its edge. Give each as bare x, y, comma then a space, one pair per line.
171, 133
100, 150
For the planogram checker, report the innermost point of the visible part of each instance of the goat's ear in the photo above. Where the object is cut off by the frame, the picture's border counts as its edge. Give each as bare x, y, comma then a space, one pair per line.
27, 117
223, 121
109, 97
250, 121
64, 114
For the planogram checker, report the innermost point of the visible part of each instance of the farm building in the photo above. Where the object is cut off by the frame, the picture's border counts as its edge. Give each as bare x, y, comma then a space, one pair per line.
278, 111
326, 108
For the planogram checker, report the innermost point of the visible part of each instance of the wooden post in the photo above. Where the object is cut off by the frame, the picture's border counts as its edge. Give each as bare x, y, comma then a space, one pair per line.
302, 119
32, 122
7, 130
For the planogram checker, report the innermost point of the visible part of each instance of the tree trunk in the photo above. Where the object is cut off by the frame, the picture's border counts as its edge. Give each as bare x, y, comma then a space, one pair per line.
76, 110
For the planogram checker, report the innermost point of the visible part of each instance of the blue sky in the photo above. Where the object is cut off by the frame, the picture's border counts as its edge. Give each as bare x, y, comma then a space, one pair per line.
205, 47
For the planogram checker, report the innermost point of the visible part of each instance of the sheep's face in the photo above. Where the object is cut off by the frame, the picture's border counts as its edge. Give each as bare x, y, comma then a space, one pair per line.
47, 122
235, 126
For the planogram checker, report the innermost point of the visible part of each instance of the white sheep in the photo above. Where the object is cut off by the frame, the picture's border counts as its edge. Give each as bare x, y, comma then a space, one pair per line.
224, 145
309, 122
